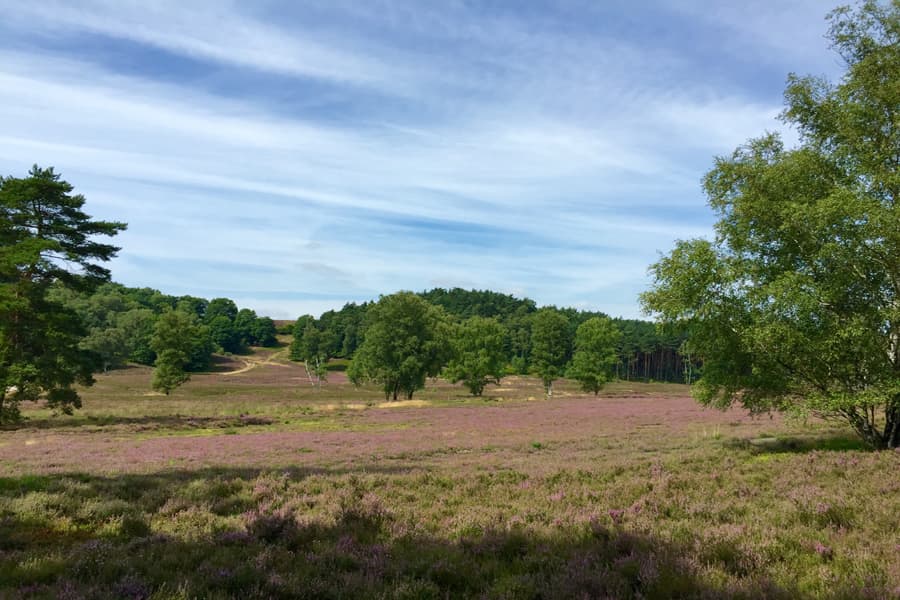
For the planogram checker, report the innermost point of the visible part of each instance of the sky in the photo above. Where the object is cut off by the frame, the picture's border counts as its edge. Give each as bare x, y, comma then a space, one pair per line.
294, 156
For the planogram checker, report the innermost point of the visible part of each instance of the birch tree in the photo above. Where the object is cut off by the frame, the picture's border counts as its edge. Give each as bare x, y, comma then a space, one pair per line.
796, 303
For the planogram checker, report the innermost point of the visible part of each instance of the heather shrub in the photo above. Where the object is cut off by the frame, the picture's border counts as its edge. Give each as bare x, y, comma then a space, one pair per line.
453, 501
101, 510
278, 526
131, 526
362, 513
93, 560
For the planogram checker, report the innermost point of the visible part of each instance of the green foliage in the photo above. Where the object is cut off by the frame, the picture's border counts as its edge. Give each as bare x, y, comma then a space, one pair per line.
169, 371
297, 350
313, 343
137, 328
243, 326
478, 303
550, 345
121, 321
478, 356
224, 334
313, 347
221, 307
342, 329
191, 304
174, 338
262, 332
796, 304
109, 345
645, 352
45, 240
406, 341
595, 354
202, 347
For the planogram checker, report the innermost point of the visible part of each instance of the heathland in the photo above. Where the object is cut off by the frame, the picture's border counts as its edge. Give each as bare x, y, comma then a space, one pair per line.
250, 482
330, 462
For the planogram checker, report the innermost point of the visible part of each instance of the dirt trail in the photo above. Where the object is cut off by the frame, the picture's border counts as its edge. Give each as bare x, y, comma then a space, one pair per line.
251, 363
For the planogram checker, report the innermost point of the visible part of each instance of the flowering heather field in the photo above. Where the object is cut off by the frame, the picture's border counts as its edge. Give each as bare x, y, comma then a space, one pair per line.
255, 484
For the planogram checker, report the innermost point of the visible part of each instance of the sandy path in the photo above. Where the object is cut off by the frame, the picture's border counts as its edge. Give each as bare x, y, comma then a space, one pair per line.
251, 363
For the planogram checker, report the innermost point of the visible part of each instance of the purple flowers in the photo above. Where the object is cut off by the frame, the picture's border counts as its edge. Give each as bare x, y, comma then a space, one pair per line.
617, 515
823, 550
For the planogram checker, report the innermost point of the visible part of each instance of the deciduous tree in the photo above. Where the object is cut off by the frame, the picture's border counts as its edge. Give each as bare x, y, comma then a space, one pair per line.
315, 351
137, 326
263, 330
296, 350
109, 345
796, 303
405, 342
595, 357
224, 334
173, 341
550, 346
477, 353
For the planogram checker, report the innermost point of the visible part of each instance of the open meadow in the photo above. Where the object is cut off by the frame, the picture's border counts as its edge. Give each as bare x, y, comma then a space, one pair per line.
250, 482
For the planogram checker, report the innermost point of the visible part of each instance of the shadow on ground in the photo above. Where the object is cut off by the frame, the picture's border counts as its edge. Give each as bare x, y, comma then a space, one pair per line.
243, 533
836, 442
143, 423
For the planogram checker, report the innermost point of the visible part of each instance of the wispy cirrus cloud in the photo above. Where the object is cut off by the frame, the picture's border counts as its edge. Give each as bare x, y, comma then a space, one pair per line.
352, 149
213, 31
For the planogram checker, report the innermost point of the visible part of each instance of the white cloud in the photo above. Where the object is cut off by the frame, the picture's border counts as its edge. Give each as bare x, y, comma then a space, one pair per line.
577, 150
781, 33
214, 31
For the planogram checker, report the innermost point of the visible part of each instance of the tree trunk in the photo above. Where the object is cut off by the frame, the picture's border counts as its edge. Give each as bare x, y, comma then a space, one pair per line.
318, 376
892, 424
867, 428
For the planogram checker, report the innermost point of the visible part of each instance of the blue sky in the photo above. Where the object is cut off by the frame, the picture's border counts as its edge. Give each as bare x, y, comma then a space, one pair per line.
297, 155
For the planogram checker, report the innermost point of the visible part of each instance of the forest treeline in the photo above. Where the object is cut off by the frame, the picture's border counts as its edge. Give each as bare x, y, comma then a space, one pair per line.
644, 352
120, 323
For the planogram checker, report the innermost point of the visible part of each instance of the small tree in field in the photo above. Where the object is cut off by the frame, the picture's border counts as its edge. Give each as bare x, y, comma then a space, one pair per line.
595, 354
405, 342
478, 354
314, 351
550, 346
796, 304
168, 372
173, 342
296, 350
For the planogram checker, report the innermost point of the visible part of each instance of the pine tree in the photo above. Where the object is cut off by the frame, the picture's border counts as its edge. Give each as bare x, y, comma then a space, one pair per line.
45, 239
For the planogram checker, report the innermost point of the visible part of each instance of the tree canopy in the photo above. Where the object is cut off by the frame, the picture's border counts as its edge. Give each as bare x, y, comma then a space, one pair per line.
550, 345
796, 303
594, 359
477, 354
45, 239
314, 346
406, 341
175, 337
